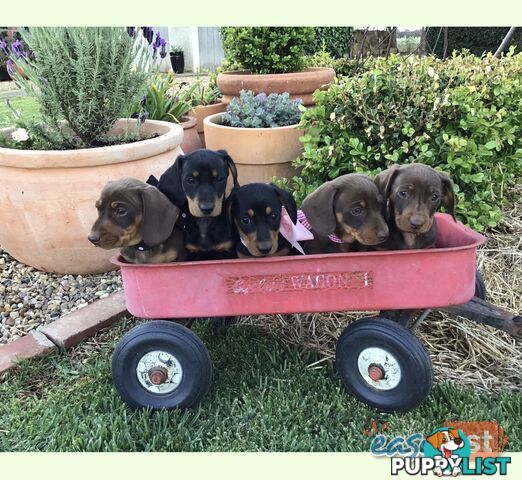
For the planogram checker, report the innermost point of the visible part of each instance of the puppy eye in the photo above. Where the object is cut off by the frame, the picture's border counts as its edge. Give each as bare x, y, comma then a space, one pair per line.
403, 194
190, 180
434, 197
120, 212
246, 220
356, 211
274, 215
220, 179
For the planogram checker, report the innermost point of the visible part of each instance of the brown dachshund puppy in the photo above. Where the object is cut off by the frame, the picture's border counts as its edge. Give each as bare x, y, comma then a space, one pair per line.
345, 215
140, 220
413, 194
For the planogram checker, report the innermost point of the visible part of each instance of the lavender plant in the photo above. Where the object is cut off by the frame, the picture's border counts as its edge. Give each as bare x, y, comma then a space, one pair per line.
83, 78
262, 111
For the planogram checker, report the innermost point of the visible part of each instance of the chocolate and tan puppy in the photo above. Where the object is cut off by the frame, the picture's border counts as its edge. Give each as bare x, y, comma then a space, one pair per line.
345, 215
413, 193
138, 219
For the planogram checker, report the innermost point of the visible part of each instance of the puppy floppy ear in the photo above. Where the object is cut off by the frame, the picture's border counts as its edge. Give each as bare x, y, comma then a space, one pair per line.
448, 194
159, 216
435, 440
319, 208
230, 165
385, 179
287, 200
170, 182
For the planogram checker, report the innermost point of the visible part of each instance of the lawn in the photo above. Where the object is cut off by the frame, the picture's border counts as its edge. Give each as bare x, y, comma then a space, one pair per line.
27, 106
264, 397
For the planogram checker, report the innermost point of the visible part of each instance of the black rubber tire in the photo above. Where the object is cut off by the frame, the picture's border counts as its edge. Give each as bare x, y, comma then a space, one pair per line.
171, 337
480, 286
416, 368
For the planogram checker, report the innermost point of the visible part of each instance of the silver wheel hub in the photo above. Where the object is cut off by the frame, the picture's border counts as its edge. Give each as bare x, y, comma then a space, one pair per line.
159, 372
379, 368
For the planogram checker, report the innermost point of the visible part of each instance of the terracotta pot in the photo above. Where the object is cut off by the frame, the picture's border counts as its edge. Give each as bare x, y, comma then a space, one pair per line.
203, 111
191, 139
299, 84
259, 153
47, 197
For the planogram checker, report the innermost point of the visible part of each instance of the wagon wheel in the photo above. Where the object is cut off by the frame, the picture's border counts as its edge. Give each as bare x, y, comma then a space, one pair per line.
161, 364
384, 365
480, 286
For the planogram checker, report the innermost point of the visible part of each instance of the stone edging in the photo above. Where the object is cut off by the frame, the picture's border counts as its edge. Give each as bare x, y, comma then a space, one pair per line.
66, 332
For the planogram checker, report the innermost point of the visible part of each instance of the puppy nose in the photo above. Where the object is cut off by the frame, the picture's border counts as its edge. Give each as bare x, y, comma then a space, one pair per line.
206, 207
416, 222
382, 235
94, 238
264, 247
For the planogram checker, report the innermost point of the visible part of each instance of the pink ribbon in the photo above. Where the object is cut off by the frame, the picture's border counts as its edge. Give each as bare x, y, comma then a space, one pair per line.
293, 233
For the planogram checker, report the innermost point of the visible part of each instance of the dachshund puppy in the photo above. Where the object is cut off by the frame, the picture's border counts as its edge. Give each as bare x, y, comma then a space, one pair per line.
413, 194
140, 220
196, 183
344, 215
256, 210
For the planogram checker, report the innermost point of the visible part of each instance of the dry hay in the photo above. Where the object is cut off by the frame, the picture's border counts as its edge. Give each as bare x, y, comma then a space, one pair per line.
464, 352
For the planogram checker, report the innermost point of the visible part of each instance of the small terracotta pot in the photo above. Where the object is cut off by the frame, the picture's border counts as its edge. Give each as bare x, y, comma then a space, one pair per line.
191, 139
299, 84
259, 153
47, 197
203, 111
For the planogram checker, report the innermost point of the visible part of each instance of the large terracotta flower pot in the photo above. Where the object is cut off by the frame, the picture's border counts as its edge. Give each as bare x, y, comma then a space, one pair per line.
203, 111
299, 84
47, 197
191, 140
259, 153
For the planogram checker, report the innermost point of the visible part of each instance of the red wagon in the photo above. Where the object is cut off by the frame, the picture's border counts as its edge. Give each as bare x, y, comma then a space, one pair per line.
165, 365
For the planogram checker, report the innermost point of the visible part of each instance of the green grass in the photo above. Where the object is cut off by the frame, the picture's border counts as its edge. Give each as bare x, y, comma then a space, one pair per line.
27, 106
263, 398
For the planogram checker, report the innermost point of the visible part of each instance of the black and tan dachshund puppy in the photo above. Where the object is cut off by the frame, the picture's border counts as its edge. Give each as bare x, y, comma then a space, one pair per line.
345, 215
196, 183
413, 194
256, 210
140, 220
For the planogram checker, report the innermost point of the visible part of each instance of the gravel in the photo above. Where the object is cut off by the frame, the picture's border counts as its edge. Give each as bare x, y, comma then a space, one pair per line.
30, 298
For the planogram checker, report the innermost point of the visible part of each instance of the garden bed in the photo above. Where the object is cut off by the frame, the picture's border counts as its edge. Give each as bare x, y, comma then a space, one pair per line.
31, 299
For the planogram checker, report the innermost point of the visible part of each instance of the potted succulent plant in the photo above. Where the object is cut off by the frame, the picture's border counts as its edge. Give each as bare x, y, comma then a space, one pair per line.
270, 60
260, 133
53, 170
177, 59
168, 101
206, 100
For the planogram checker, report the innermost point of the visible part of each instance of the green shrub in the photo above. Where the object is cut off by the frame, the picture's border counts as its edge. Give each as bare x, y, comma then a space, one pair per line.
342, 66
334, 40
475, 39
267, 49
262, 110
84, 78
462, 116
164, 100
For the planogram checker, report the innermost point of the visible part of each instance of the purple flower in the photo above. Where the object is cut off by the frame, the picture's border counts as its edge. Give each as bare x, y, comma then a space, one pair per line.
158, 40
143, 101
163, 42
3, 46
154, 50
131, 31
